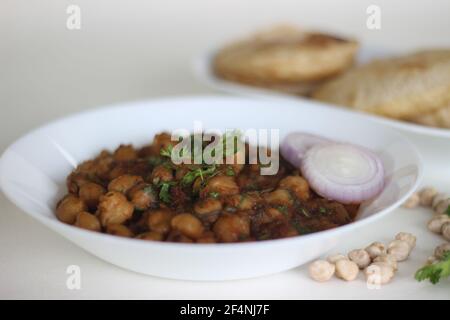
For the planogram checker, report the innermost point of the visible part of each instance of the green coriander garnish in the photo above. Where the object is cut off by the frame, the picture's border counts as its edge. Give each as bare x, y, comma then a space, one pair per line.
166, 152
283, 210
436, 271
214, 195
190, 177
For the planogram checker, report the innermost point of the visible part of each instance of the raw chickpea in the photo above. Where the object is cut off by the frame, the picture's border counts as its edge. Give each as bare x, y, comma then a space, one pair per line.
336, 257
207, 206
142, 196
159, 220
207, 237
346, 269
431, 260
114, 208
445, 230
389, 259
124, 183
437, 199
436, 223
231, 228
68, 208
426, 196
162, 173
125, 153
379, 273
408, 237
442, 207
360, 257
188, 225
375, 249
400, 249
119, 230
279, 197
90, 193
223, 185
321, 270
87, 221
412, 202
151, 235
441, 249
297, 185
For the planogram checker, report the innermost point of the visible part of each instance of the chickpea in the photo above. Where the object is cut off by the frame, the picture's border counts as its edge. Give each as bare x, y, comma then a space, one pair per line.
246, 201
114, 208
75, 181
436, 223
162, 141
159, 220
151, 235
441, 249
408, 237
297, 185
207, 237
336, 257
142, 196
176, 236
379, 273
360, 257
445, 230
207, 206
68, 208
442, 207
400, 249
87, 221
431, 260
231, 228
321, 270
124, 183
438, 199
389, 259
412, 202
90, 193
426, 196
162, 173
375, 249
346, 269
224, 185
279, 197
125, 153
188, 225
119, 230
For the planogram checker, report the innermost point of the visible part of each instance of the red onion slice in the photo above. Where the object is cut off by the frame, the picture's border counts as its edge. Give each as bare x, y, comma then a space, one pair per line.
343, 172
295, 145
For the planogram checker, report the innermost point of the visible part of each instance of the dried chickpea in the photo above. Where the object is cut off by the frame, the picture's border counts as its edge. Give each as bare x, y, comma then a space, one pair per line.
231, 228
119, 230
445, 230
375, 249
90, 193
159, 220
438, 199
400, 249
297, 185
87, 221
412, 202
346, 269
114, 208
436, 223
336, 257
68, 208
188, 225
408, 237
379, 273
389, 259
441, 249
427, 195
124, 183
360, 257
151, 235
321, 270
442, 207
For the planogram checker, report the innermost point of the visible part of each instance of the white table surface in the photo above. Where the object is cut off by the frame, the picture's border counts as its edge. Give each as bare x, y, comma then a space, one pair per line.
130, 50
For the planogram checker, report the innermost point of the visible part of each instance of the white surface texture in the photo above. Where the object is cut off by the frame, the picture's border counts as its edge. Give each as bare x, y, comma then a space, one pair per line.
129, 50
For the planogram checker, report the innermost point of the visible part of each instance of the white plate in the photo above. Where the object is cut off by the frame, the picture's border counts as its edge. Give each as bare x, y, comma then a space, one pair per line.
203, 71
33, 172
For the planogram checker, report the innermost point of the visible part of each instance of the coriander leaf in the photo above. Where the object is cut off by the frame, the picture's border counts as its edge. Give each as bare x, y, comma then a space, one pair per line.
190, 177
155, 160
447, 212
164, 192
166, 152
436, 271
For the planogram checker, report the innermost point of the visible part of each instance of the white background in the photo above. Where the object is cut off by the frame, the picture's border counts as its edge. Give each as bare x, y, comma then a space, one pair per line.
139, 49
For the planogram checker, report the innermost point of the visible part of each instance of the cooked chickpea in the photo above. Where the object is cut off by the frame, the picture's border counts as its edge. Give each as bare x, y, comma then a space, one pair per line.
176, 236
412, 202
408, 237
114, 208
297, 185
151, 235
375, 249
346, 269
87, 221
68, 208
119, 230
162, 173
142, 196
336, 257
188, 225
223, 185
125, 153
162, 141
321, 270
231, 228
90, 193
279, 197
124, 183
360, 257
246, 201
159, 220
445, 230
426, 196
400, 249
207, 237
207, 206
389, 259
441, 249
436, 223
379, 273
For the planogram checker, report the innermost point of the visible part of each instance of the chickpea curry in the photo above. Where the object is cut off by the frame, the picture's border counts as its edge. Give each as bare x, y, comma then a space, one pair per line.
140, 193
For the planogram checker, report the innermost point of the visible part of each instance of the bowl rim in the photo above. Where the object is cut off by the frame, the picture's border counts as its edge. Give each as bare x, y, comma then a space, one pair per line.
54, 224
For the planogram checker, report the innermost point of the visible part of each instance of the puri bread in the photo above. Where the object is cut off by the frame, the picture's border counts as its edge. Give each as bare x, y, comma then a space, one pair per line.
439, 118
408, 87
285, 58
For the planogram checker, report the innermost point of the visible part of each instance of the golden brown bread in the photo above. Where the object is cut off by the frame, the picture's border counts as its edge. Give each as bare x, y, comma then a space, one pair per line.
285, 59
439, 118
408, 87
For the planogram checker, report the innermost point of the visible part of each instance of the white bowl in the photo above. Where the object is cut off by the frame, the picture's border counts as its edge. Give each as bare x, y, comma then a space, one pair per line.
33, 172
